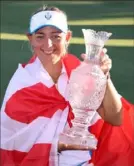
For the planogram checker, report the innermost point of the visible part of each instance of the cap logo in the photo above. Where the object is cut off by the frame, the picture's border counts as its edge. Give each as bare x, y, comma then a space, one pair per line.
48, 16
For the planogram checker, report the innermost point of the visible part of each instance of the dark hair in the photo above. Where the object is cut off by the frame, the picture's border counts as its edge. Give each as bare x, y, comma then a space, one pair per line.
50, 8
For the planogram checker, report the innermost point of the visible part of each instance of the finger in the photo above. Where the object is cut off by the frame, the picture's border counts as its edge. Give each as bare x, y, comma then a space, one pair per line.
103, 52
63, 147
104, 58
78, 147
83, 56
106, 68
106, 61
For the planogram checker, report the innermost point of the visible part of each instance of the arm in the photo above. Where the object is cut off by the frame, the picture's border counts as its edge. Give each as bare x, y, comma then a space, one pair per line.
111, 108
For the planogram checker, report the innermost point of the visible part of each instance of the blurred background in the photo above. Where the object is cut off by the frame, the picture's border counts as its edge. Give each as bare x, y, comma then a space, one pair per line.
115, 17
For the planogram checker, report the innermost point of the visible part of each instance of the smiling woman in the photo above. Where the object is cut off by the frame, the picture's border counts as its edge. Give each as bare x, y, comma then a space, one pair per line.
49, 37
48, 45
36, 110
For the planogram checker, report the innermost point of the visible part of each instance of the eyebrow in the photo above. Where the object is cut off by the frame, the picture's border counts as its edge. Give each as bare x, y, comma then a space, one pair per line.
41, 33
58, 31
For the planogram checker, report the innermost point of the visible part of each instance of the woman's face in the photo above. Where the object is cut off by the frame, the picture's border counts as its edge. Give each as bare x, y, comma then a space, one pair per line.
49, 42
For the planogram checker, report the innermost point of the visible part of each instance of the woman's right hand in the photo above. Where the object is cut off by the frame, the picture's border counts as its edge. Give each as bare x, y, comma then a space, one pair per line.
63, 147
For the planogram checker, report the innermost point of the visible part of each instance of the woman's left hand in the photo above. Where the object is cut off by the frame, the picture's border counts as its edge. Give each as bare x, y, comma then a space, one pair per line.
105, 62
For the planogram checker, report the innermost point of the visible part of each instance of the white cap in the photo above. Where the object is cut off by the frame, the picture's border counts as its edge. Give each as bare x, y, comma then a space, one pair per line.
48, 18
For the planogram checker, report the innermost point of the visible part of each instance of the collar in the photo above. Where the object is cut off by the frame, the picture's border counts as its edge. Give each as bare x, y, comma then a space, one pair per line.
38, 62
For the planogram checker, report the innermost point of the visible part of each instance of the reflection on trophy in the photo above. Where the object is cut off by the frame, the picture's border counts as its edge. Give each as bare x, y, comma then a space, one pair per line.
85, 91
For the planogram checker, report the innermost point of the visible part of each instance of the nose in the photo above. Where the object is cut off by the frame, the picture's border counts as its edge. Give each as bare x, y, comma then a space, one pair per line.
48, 43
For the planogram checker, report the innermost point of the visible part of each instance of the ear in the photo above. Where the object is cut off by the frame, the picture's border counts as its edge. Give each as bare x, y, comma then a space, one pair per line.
68, 36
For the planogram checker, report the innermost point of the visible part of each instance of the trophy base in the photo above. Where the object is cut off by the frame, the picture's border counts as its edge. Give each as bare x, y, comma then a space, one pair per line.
88, 142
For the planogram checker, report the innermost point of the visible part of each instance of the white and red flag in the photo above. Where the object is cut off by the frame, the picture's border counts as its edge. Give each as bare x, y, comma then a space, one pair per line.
34, 113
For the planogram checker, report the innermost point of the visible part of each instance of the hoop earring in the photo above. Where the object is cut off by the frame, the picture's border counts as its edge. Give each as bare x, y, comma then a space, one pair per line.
32, 48
66, 45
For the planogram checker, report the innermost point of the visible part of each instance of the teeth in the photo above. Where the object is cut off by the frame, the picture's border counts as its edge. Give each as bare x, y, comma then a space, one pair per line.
48, 52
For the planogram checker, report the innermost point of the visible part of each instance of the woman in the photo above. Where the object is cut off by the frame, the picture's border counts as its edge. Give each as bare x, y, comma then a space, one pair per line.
35, 110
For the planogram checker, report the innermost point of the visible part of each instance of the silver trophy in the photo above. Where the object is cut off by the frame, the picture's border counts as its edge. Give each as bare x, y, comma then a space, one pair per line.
85, 91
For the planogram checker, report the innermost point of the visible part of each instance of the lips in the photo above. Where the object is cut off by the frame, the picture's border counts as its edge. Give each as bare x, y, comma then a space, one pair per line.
48, 52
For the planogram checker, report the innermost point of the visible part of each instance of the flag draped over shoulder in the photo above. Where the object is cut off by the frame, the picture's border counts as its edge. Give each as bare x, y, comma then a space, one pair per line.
116, 143
32, 117
32, 111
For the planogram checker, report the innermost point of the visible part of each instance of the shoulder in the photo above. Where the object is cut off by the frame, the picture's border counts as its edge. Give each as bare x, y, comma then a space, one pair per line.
70, 62
71, 59
32, 60
20, 79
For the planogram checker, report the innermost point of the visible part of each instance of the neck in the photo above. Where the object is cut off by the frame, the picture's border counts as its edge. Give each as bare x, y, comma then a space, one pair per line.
53, 67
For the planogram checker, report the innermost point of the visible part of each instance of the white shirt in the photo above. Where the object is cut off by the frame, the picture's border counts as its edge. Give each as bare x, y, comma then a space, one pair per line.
75, 157
43, 76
